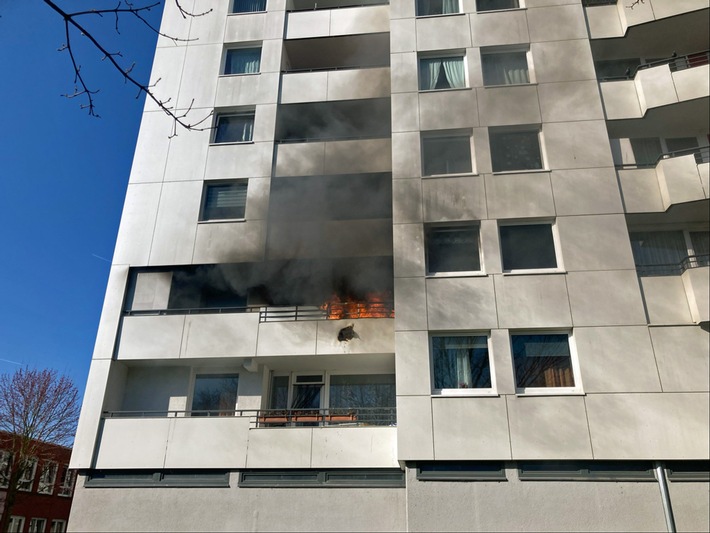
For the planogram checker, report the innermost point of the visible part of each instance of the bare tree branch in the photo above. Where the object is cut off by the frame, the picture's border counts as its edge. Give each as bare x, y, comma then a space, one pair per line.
73, 22
635, 3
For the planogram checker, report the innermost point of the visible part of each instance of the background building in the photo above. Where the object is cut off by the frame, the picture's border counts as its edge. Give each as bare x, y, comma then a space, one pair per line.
447, 257
44, 497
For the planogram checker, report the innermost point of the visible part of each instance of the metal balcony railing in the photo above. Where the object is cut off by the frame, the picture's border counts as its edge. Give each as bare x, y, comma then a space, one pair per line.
675, 63
265, 418
329, 311
331, 138
702, 155
593, 3
674, 269
313, 5
191, 311
326, 69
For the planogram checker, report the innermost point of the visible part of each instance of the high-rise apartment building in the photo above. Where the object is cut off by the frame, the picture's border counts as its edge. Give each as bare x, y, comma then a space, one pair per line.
437, 265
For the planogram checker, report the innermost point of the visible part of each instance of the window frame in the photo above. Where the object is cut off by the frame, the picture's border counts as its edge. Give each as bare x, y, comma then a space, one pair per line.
418, 15
31, 479
488, 51
521, 5
201, 371
523, 128
486, 471
470, 392
234, 3
559, 268
5, 468
321, 478
227, 114
58, 522
67, 482
647, 270
443, 54
203, 219
47, 466
37, 525
241, 46
425, 136
576, 390
20, 520
428, 228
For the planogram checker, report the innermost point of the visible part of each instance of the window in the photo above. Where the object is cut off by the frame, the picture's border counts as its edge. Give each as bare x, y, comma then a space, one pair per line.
157, 478
586, 470
437, 73
452, 249
5, 467
381, 477
37, 525
461, 471
234, 128
527, 246
669, 253
66, 482
495, 5
16, 524
461, 362
28, 475
242, 61
688, 470
224, 200
215, 394
58, 526
437, 7
504, 67
542, 360
515, 149
248, 6
47, 477
446, 154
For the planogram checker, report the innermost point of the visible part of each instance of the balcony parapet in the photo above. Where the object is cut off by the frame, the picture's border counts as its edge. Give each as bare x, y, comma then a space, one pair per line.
332, 22
675, 178
335, 84
612, 18
675, 80
316, 157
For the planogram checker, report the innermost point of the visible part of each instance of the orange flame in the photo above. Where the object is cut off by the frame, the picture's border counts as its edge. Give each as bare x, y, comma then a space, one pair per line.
374, 305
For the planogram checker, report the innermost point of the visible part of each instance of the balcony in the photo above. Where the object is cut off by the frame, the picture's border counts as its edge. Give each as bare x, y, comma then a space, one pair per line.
674, 178
662, 83
330, 85
331, 21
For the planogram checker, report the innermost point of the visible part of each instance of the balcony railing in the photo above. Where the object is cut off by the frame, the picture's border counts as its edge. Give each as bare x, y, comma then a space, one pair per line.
329, 311
702, 155
269, 418
314, 5
675, 63
327, 69
331, 138
674, 269
593, 3
192, 311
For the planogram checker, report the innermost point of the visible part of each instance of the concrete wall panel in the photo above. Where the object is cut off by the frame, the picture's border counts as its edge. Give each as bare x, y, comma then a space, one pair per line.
535, 301
608, 298
414, 428
461, 304
207, 442
220, 335
460, 198
133, 443
682, 357
501, 28
411, 300
665, 300
413, 363
519, 196
234, 242
595, 242
151, 337
373, 447
287, 338
586, 191
504, 106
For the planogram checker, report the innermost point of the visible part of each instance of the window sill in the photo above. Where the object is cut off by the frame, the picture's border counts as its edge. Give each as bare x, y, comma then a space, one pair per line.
549, 391
527, 171
221, 220
231, 143
501, 10
423, 91
457, 175
464, 274
532, 83
534, 271
239, 74
245, 13
439, 15
464, 393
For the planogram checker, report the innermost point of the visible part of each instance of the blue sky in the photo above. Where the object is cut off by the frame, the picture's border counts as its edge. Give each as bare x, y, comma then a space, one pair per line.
63, 176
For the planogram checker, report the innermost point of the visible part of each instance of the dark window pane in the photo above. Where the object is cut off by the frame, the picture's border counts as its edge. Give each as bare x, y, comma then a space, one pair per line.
234, 128
658, 252
437, 7
505, 68
515, 150
243, 61
446, 155
528, 246
279, 392
215, 392
452, 249
225, 200
542, 361
248, 6
461, 362
491, 5
701, 247
441, 73
646, 150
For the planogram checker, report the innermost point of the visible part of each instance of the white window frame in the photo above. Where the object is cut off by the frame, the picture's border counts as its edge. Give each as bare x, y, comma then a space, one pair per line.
46, 486
16, 524
29, 479
459, 12
455, 274
444, 54
555, 240
203, 204
66, 488
521, 5
234, 113
492, 391
5, 468
240, 46
202, 371
58, 526
459, 133
531, 128
37, 525
510, 49
577, 390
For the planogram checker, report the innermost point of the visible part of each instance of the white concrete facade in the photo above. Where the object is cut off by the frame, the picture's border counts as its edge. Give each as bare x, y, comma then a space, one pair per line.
437, 265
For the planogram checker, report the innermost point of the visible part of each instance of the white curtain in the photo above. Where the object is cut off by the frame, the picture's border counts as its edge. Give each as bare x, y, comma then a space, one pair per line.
658, 247
243, 61
453, 67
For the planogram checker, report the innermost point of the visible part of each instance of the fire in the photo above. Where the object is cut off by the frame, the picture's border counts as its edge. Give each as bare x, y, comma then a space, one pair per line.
374, 305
